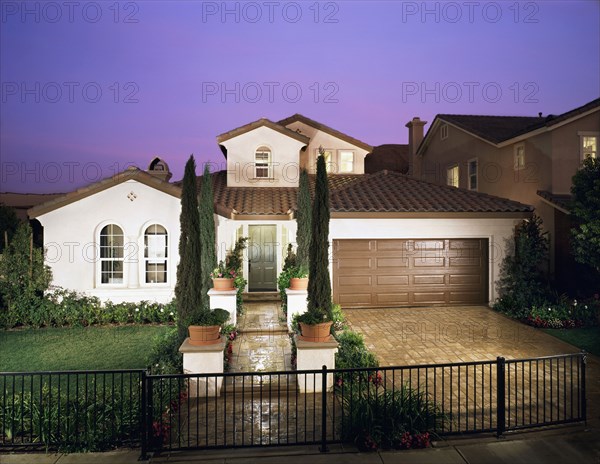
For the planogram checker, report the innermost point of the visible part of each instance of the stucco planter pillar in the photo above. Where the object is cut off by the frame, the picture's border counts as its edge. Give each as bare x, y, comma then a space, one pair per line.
313, 356
296, 304
205, 359
225, 299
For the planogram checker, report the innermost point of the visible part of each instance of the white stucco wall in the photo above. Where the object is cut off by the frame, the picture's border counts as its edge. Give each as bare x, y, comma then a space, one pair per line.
323, 139
71, 238
497, 231
285, 152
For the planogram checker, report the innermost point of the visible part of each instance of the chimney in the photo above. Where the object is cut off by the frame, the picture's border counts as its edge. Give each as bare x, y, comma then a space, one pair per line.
159, 168
415, 136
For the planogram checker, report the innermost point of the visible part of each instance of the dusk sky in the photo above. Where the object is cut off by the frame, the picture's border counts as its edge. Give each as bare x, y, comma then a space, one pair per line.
91, 87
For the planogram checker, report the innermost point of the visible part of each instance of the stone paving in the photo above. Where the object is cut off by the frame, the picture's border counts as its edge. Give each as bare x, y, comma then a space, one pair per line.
444, 334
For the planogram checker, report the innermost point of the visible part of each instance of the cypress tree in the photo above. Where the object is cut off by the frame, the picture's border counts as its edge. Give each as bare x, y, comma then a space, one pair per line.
319, 284
304, 221
207, 233
188, 289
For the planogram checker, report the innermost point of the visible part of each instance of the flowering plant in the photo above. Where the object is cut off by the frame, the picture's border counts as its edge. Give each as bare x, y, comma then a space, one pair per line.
222, 271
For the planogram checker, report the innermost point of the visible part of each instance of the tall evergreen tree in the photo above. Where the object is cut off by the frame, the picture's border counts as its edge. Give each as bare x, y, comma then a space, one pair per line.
207, 233
319, 284
586, 211
304, 221
188, 290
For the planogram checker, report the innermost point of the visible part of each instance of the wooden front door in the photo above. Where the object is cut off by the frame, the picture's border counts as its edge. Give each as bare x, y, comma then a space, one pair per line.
262, 258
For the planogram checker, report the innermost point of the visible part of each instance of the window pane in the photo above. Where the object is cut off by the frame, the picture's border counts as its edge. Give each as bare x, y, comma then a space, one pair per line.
590, 147
346, 161
156, 252
452, 176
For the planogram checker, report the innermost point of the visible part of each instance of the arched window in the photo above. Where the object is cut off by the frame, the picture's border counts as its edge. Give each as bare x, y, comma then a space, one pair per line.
155, 254
111, 254
262, 163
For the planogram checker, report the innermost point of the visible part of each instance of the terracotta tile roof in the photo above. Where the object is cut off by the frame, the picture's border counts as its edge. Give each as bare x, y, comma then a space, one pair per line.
561, 202
322, 127
389, 192
383, 192
391, 157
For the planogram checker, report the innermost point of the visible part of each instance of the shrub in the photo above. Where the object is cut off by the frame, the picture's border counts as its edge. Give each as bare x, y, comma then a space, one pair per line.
164, 357
352, 352
523, 282
377, 417
565, 314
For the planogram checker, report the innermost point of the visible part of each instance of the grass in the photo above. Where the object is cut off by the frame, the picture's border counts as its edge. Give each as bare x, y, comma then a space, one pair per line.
586, 338
77, 348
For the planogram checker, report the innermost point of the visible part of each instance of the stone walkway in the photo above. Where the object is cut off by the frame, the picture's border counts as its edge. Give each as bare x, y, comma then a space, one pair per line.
263, 344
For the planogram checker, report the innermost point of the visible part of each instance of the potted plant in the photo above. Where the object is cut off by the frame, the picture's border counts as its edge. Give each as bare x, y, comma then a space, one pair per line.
223, 277
298, 277
315, 324
204, 326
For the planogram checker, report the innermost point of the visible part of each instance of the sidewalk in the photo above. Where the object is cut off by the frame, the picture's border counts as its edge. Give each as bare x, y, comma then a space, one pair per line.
562, 446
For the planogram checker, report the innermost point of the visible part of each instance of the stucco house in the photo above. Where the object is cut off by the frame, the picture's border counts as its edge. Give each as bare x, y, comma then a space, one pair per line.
395, 240
528, 159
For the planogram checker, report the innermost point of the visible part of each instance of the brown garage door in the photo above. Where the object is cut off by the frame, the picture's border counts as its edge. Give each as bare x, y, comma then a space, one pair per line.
372, 273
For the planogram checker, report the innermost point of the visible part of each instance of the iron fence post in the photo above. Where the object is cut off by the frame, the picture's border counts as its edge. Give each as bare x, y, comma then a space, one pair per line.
500, 396
143, 418
324, 447
583, 389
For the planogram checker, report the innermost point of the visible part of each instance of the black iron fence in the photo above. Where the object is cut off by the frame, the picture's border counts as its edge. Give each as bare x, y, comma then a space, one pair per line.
392, 406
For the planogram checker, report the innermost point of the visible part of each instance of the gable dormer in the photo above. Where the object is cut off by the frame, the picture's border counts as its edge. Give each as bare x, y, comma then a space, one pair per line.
262, 154
343, 154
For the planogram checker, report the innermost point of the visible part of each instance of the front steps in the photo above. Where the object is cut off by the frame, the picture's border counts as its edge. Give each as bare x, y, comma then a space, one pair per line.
260, 297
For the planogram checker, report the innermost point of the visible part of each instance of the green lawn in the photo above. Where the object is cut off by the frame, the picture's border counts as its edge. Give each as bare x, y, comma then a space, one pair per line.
586, 338
78, 348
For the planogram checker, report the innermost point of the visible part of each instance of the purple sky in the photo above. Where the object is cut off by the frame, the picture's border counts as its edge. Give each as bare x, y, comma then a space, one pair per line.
174, 75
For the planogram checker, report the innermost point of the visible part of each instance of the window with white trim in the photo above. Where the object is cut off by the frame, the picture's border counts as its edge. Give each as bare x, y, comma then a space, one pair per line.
262, 163
111, 254
519, 156
346, 161
589, 146
452, 176
473, 180
444, 131
155, 254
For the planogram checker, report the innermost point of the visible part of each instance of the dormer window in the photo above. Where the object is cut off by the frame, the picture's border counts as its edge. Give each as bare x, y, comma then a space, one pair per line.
444, 131
262, 163
346, 161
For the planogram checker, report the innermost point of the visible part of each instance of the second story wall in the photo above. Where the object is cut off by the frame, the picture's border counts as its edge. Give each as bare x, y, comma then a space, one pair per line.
344, 157
263, 158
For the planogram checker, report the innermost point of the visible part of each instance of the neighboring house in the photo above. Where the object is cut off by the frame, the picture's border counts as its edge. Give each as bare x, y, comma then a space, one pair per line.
528, 159
395, 240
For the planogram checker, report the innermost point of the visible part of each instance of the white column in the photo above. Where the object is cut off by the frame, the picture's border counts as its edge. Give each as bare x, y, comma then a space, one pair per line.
296, 304
312, 356
207, 359
226, 300
132, 261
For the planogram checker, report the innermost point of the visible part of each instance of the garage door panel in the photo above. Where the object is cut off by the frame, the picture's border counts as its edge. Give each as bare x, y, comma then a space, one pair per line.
429, 297
434, 261
371, 273
352, 281
392, 280
391, 262
354, 263
391, 299
433, 279
465, 279
465, 262
355, 299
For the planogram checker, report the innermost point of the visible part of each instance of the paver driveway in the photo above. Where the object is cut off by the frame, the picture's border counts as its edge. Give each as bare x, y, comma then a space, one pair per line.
428, 335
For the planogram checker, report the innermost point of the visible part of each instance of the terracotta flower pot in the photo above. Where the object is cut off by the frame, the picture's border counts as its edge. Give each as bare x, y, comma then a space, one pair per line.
223, 284
204, 335
298, 283
316, 332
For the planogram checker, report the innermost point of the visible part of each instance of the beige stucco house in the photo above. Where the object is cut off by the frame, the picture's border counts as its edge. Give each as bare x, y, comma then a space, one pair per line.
395, 240
528, 159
